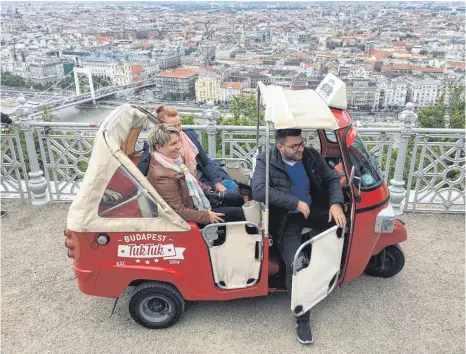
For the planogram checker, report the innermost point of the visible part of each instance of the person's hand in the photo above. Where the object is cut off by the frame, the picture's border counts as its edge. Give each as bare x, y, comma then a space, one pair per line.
220, 187
215, 217
336, 213
304, 209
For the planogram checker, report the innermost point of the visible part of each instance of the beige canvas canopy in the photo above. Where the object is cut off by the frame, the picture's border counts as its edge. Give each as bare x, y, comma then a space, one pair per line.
115, 140
304, 109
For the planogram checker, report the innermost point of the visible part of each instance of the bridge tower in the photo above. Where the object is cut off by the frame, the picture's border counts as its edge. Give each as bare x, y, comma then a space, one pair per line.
88, 73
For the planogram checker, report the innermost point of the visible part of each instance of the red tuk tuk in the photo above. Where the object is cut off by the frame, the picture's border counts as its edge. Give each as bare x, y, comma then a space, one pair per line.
121, 233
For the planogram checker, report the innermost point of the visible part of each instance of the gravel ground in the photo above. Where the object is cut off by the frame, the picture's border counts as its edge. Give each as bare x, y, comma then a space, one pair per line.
421, 310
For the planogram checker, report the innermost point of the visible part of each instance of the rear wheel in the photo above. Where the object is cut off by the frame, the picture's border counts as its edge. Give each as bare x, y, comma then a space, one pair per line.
156, 305
389, 262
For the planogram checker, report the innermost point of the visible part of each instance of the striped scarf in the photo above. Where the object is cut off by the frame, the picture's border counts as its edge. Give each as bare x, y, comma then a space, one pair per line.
195, 191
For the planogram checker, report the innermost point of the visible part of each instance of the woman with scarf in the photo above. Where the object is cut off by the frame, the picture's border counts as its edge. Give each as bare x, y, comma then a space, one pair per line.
200, 165
172, 178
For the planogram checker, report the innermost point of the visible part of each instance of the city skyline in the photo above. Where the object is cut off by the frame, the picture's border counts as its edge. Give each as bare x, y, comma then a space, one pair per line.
387, 53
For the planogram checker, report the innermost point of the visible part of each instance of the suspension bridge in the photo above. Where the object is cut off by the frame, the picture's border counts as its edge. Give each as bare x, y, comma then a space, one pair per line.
77, 91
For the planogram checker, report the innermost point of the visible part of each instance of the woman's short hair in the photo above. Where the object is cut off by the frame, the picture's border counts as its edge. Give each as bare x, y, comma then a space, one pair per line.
160, 135
163, 112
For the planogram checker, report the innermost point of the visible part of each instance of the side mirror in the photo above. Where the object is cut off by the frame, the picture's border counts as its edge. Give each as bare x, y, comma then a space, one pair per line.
353, 178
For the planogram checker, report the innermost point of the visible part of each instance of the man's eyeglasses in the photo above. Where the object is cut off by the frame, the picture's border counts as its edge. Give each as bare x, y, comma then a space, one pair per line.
296, 147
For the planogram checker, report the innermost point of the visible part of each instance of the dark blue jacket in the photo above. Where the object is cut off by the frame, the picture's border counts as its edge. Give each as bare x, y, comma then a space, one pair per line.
211, 173
325, 187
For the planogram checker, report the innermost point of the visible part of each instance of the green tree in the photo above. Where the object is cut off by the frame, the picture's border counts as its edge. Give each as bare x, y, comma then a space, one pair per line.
188, 120
423, 52
244, 113
47, 115
434, 116
67, 83
431, 117
244, 110
174, 96
9, 79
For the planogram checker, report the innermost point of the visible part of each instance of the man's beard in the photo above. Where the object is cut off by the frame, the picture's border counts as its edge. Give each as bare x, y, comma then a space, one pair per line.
295, 156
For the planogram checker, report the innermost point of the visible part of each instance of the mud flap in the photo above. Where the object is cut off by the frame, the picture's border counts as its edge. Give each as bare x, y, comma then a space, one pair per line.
313, 283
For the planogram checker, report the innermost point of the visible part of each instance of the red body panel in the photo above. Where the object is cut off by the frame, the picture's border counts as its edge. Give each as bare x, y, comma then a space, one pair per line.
398, 235
361, 244
364, 242
100, 270
342, 116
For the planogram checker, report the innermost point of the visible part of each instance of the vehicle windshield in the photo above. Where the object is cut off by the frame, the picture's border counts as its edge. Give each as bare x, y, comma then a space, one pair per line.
365, 165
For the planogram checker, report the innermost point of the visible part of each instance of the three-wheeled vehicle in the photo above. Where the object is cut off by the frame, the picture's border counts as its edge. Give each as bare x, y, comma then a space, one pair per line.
121, 233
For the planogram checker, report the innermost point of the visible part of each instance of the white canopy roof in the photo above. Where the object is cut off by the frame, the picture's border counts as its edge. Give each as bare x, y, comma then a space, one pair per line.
303, 109
107, 156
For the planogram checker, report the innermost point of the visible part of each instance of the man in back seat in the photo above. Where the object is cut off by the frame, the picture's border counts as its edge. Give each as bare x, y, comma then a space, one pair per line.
303, 192
177, 186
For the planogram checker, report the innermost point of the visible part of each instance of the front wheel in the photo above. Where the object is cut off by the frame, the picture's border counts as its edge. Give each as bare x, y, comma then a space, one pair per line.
156, 305
389, 262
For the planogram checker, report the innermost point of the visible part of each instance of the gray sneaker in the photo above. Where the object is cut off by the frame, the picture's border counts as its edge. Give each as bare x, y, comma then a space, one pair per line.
304, 332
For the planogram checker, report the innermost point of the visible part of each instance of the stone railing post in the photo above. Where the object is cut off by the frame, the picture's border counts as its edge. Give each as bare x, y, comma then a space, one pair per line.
211, 114
397, 190
37, 184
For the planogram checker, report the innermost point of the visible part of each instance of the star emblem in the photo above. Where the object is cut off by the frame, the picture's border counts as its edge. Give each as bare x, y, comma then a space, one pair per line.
156, 260
147, 262
138, 261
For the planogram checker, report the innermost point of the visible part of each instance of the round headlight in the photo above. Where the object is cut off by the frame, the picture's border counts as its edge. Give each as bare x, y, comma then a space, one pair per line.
103, 239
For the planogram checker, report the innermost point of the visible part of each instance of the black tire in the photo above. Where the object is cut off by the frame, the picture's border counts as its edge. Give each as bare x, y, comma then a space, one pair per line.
156, 305
394, 263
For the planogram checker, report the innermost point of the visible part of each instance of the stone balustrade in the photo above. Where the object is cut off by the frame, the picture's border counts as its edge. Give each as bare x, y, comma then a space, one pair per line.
424, 168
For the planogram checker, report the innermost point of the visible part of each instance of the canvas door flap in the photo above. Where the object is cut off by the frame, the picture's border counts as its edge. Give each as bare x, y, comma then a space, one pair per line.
312, 284
234, 262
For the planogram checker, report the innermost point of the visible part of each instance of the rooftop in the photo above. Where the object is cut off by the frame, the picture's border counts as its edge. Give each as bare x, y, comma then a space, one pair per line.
231, 85
421, 310
181, 72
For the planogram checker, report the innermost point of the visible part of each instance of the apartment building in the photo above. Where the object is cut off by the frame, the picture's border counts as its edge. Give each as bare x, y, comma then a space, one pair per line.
390, 93
207, 87
181, 81
360, 93
266, 35
230, 89
253, 78
119, 68
226, 52
208, 49
423, 92
100, 65
282, 78
167, 60
299, 82
44, 71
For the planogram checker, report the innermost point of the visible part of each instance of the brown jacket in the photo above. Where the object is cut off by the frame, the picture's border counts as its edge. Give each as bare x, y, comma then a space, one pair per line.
173, 189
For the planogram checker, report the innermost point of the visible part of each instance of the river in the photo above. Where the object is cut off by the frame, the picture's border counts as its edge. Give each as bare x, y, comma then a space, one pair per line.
90, 114
75, 114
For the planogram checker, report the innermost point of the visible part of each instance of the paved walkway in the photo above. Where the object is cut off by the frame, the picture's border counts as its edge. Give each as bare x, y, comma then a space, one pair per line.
421, 310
